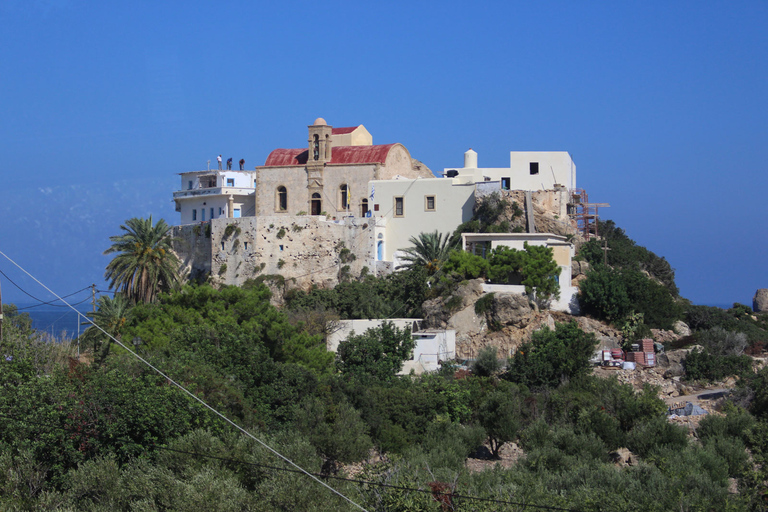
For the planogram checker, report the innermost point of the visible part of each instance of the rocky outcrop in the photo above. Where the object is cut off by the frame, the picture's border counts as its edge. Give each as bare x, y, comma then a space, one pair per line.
579, 271
760, 301
681, 328
509, 309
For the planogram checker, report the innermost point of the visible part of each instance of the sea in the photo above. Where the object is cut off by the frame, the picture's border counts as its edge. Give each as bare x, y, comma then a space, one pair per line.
59, 322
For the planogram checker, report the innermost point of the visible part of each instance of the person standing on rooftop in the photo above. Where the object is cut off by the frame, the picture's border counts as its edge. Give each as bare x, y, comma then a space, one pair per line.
218, 159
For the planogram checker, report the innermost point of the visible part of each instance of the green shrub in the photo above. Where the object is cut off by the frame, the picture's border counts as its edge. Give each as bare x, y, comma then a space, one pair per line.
231, 228
280, 264
222, 269
281, 233
703, 365
465, 265
484, 303
454, 303
296, 228
552, 356
612, 294
487, 363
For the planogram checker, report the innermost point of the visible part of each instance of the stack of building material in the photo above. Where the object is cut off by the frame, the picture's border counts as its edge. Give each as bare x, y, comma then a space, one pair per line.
645, 356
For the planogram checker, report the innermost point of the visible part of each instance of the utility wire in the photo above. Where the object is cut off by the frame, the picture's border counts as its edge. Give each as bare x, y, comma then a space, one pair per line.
186, 391
42, 302
54, 305
290, 470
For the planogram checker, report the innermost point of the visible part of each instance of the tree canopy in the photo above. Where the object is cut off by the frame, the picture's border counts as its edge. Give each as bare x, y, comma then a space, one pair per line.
145, 264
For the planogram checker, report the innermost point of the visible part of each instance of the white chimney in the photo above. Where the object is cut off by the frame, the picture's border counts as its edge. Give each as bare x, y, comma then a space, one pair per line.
470, 159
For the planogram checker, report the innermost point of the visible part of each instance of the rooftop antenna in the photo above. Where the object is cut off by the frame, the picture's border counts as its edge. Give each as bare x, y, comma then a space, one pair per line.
209, 164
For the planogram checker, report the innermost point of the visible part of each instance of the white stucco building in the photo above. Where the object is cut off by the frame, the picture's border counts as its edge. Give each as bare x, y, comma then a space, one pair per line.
403, 208
432, 345
213, 194
563, 252
528, 170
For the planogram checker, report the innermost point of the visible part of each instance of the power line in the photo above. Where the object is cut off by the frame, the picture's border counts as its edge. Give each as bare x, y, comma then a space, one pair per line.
42, 302
54, 305
186, 391
320, 475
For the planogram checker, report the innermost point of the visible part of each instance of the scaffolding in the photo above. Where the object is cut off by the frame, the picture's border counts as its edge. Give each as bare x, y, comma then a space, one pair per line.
585, 213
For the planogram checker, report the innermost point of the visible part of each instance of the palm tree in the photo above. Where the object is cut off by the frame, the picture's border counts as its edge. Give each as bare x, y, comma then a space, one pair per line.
145, 264
111, 316
429, 250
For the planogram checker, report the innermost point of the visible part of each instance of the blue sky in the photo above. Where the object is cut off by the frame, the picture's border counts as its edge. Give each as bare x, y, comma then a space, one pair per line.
662, 105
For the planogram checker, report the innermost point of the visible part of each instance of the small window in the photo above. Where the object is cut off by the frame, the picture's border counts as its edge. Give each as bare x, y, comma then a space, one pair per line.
194, 214
230, 182
363, 207
281, 247
222, 246
189, 185
344, 197
399, 207
429, 203
375, 207
254, 183
236, 213
211, 212
245, 245
534, 168
505, 183
282, 199
202, 214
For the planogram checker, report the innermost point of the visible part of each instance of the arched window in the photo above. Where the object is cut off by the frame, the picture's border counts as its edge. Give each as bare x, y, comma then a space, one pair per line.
282, 199
344, 197
363, 207
317, 204
316, 148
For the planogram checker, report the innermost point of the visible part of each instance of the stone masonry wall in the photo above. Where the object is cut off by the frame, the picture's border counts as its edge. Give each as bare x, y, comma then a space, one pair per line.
306, 250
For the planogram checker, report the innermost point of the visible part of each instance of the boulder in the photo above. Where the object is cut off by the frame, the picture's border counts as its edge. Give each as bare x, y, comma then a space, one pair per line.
510, 309
760, 301
579, 268
681, 328
623, 457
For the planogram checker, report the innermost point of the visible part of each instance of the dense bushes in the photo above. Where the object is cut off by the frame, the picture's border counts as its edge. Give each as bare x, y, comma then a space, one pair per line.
704, 365
613, 294
76, 437
552, 357
625, 253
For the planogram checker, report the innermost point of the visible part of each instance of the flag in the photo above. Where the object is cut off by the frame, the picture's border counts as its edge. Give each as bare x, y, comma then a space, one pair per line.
373, 189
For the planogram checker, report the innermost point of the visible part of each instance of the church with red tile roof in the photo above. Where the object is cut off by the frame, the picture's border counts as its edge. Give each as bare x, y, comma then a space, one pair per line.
331, 174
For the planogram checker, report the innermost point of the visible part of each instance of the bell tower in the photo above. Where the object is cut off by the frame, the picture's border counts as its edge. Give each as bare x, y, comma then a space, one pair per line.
319, 142
318, 155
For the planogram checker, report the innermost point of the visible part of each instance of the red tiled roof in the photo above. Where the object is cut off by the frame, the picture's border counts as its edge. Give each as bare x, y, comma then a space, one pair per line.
283, 157
339, 155
342, 131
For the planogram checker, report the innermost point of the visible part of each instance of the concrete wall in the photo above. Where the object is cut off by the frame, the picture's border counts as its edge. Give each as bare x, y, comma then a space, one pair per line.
567, 303
307, 251
347, 327
432, 347
453, 205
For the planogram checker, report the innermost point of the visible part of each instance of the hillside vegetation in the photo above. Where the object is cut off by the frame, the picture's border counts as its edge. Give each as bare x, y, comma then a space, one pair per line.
105, 432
